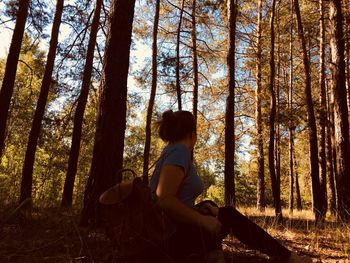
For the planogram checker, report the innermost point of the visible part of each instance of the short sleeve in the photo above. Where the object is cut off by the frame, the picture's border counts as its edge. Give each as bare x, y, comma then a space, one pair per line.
179, 156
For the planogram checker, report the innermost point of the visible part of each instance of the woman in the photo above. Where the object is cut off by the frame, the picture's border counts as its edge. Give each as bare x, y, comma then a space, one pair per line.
175, 185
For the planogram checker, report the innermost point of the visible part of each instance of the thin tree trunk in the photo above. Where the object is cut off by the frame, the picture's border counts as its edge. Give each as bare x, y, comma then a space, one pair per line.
177, 70
341, 117
258, 94
195, 61
274, 181
290, 121
330, 158
333, 142
314, 168
347, 47
67, 195
297, 188
153, 94
111, 119
27, 173
322, 112
278, 136
8, 81
229, 173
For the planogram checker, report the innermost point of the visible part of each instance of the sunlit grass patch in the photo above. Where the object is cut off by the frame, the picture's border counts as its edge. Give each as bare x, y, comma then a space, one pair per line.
329, 241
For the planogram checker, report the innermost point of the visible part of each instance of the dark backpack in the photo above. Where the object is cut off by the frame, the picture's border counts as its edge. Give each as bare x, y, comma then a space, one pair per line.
134, 222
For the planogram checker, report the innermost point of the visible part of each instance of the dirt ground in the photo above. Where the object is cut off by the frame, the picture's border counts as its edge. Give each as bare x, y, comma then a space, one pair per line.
54, 236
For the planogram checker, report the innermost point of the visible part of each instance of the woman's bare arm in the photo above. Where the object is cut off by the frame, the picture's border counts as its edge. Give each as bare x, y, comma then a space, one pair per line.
170, 180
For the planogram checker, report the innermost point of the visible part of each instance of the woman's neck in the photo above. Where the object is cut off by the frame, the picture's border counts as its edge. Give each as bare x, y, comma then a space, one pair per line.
186, 142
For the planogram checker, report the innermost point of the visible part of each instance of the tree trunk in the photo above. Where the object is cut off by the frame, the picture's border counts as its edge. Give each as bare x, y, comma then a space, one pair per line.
297, 188
27, 173
229, 173
195, 61
322, 112
290, 121
258, 94
79, 112
274, 181
153, 94
330, 158
177, 70
278, 136
314, 168
8, 80
333, 143
347, 47
111, 120
341, 118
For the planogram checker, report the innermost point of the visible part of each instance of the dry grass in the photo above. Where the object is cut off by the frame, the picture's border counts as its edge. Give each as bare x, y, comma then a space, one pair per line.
329, 242
54, 236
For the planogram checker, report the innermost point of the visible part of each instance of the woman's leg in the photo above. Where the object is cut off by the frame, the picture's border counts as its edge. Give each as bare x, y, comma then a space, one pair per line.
191, 240
251, 234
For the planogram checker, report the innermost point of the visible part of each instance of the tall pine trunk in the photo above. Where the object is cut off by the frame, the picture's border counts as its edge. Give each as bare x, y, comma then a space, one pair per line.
323, 110
341, 117
177, 69
229, 174
152, 98
27, 173
318, 201
347, 47
258, 115
330, 157
277, 123
297, 187
79, 112
274, 182
8, 80
290, 111
111, 120
194, 61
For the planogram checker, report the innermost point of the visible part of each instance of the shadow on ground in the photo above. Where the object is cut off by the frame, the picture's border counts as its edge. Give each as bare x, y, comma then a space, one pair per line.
54, 236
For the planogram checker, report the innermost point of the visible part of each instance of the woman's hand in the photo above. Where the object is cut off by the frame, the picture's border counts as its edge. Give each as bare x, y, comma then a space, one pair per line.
213, 209
211, 224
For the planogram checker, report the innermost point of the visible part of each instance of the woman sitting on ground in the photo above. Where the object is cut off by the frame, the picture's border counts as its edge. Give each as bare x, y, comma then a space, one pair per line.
175, 185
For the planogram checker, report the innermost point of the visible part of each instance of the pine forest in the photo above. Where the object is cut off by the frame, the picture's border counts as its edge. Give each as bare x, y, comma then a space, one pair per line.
84, 83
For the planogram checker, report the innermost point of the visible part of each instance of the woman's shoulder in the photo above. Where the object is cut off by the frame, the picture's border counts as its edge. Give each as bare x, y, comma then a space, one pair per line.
178, 148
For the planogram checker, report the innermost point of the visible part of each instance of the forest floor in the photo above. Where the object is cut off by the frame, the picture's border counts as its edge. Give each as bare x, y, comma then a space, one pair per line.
54, 236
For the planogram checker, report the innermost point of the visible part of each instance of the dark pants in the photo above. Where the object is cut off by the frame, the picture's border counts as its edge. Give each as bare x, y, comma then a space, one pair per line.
190, 240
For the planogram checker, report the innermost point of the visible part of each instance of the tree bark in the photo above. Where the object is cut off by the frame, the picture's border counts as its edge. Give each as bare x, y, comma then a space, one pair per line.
333, 142
67, 196
341, 117
153, 93
27, 172
8, 81
322, 111
290, 121
313, 144
347, 47
194, 61
277, 120
111, 120
274, 182
177, 70
258, 115
297, 188
330, 157
229, 173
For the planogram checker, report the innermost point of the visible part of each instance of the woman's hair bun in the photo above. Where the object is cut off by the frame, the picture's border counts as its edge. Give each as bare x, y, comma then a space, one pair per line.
175, 126
168, 116
167, 125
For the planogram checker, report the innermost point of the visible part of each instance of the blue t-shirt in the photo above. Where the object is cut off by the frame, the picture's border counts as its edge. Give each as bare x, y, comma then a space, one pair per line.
179, 155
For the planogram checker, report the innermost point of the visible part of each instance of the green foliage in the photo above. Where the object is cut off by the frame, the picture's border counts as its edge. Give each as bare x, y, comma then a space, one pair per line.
55, 139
